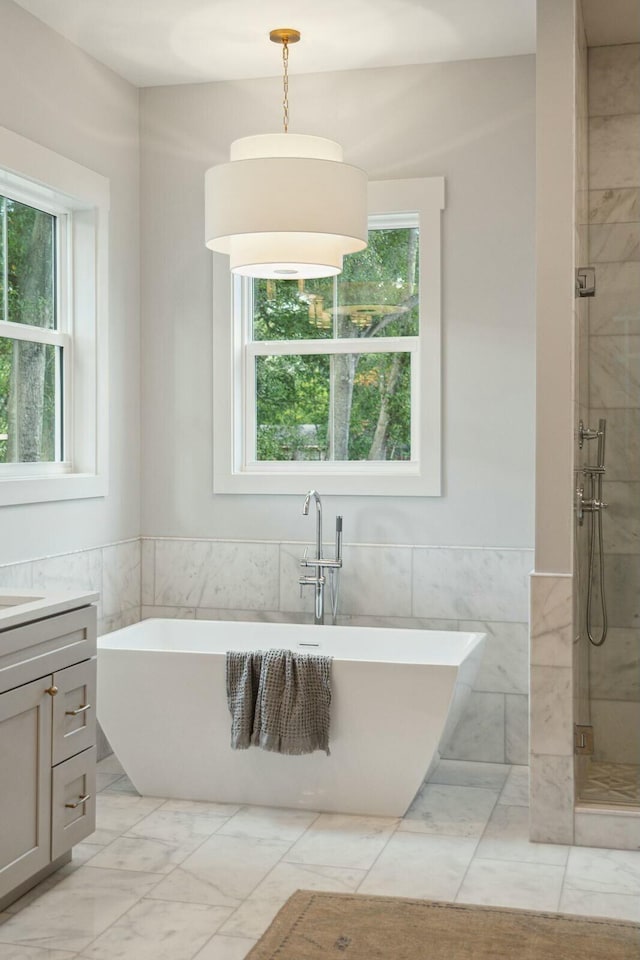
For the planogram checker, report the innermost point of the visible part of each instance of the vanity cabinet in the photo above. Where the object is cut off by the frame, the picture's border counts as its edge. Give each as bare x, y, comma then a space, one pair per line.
47, 745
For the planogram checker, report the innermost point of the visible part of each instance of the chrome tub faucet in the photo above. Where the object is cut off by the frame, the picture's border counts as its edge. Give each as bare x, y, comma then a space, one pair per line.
321, 564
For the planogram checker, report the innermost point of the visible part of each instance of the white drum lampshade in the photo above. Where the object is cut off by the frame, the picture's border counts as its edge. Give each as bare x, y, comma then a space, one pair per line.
285, 207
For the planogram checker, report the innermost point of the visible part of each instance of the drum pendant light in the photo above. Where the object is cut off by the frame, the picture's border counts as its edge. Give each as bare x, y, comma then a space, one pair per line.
285, 206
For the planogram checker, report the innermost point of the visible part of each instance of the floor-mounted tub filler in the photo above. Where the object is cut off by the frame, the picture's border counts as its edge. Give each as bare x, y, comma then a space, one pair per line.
396, 696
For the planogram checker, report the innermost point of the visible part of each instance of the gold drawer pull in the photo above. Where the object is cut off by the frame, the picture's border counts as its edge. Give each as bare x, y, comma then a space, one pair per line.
74, 713
79, 801
52, 690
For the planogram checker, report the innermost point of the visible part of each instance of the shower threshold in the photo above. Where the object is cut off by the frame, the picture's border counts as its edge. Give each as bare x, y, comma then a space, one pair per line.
617, 783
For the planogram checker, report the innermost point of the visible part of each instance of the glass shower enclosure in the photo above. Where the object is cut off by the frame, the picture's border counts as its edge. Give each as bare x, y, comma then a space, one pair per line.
607, 531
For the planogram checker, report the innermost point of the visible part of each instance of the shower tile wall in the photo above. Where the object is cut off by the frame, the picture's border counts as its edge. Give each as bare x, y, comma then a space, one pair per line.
614, 375
403, 586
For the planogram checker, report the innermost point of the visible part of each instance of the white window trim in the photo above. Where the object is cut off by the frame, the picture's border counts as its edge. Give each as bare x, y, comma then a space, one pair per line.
81, 198
421, 477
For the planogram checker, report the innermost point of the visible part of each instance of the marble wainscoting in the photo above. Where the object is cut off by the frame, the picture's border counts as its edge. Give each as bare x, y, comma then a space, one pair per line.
447, 588
112, 570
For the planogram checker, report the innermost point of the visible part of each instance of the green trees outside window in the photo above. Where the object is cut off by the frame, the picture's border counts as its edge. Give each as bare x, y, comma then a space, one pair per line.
29, 368
340, 405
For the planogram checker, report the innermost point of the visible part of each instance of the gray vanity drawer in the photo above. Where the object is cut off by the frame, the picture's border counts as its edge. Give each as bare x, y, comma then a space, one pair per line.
72, 817
74, 710
40, 648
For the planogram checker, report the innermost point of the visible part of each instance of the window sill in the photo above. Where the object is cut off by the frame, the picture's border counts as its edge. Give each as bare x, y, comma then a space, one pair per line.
70, 486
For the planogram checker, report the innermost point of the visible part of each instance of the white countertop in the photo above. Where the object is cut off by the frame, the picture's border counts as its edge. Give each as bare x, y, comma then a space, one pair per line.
18, 606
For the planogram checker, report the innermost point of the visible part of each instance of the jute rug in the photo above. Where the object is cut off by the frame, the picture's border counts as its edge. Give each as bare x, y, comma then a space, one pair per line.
321, 926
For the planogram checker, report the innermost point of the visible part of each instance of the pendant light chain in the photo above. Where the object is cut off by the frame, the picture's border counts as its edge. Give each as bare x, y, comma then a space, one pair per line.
285, 84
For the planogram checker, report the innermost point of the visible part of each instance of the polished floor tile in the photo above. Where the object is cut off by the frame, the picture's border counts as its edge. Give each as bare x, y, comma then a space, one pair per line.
158, 930
183, 880
507, 838
414, 865
503, 883
225, 948
446, 810
469, 773
72, 914
339, 840
268, 823
15, 951
516, 789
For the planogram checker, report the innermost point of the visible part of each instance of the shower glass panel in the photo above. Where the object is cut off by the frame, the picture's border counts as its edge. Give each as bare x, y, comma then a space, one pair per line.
608, 634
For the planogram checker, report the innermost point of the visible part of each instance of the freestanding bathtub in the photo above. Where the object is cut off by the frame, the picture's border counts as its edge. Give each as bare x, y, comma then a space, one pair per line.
396, 695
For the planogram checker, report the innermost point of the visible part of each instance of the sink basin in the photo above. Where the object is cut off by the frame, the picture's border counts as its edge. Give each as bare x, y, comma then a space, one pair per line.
16, 601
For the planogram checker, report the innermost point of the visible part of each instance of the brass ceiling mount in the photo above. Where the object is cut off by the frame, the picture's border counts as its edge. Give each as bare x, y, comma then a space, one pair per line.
285, 35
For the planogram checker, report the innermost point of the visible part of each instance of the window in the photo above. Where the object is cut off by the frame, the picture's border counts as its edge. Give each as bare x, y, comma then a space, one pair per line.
53, 244
336, 381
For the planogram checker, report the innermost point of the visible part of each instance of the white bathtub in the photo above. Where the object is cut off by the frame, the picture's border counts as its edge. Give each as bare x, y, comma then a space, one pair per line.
397, 694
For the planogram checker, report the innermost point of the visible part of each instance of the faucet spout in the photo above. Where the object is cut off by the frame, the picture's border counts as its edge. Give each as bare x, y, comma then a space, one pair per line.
305, 512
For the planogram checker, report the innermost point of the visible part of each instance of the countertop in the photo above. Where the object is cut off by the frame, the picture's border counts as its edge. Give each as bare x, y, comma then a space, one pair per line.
18, 606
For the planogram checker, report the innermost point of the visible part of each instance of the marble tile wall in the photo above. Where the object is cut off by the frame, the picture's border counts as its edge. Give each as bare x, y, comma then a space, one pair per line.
614, 391
404, 586
113, 571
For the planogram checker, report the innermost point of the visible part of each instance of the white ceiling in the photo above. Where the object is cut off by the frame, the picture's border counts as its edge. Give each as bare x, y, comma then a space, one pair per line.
154, 42
611, 21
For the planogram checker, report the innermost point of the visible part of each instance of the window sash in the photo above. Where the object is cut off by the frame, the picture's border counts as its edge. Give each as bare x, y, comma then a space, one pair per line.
289, 348
234, 352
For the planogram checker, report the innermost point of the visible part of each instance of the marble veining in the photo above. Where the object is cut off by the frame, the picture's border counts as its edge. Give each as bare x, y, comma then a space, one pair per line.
614, 143
613, 242
551, 621
614, 79
615, 371
616, 308
614, 206
551, 710
477, 850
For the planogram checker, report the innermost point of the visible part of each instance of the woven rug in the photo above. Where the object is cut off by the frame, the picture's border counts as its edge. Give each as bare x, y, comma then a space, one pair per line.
343, 926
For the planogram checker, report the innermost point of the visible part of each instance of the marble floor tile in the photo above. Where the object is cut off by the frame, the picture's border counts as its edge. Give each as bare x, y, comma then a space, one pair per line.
268, 823
516, 789
148, 856
122, 785
224, 869
446, 810
104, 780
117, 813
603, 871
225, 948
620, 906
180, 826
16, 951
338, 840
286, 878
110, 764
505, 883
72, 914
507, 838
470, 773
158, 930
251, 919
414, 865
224, 810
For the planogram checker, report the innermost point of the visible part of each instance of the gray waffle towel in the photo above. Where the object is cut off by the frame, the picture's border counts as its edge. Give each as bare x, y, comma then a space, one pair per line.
279, 700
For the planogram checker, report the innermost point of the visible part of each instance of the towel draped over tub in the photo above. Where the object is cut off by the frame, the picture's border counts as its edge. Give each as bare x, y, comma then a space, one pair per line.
279, 700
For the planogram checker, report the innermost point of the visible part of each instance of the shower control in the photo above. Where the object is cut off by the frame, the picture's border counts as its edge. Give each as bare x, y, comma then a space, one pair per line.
583, 506
586, 433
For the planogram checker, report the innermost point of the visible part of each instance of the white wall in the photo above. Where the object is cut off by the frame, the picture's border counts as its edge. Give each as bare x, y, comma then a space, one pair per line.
53, 93
473, 122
